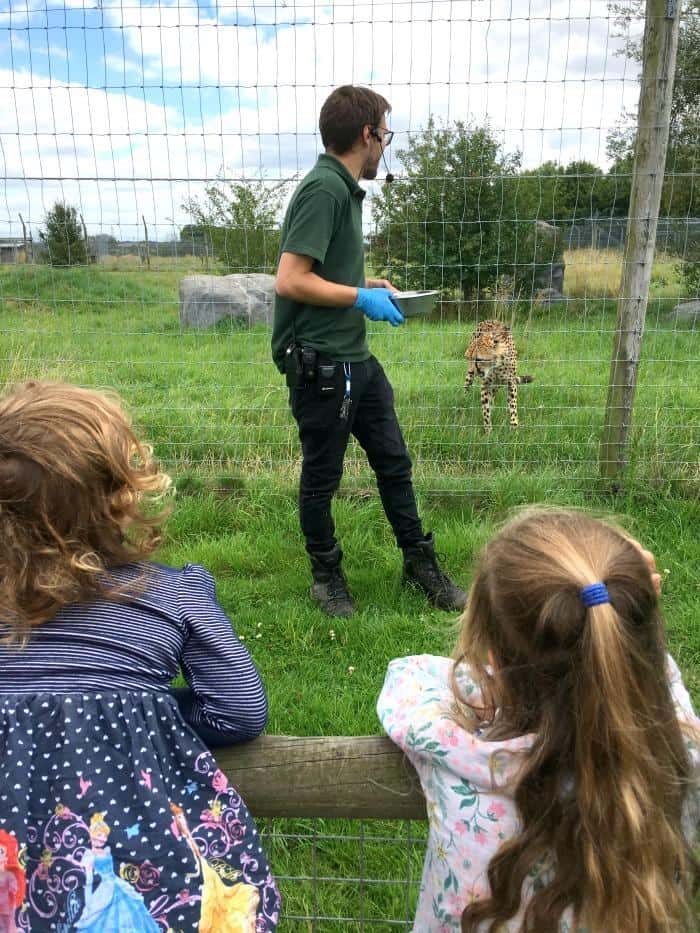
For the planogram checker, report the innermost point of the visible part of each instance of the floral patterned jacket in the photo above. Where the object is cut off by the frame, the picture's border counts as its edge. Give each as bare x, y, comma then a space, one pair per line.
466, 786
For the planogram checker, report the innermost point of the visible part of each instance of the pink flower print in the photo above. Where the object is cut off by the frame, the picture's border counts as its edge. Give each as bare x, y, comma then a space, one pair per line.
146, 775
213, 814
219, 782
63, 813
481, 837
236, 830
447, 735
84, 787
496, 811
461, 828
455, 904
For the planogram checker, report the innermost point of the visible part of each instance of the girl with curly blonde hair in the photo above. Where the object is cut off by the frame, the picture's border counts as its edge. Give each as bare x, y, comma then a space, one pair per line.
92, 633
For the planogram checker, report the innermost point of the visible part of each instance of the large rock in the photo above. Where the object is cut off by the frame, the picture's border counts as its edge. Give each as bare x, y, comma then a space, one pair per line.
686, 311
207, 299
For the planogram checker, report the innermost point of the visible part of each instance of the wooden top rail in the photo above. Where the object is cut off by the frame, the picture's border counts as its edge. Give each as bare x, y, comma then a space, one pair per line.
362, 777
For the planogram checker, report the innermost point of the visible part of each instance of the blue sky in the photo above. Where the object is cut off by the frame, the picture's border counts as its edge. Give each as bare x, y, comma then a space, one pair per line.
126, 109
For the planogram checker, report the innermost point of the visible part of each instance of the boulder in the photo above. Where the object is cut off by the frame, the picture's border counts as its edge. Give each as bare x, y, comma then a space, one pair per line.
688, 311
207, 299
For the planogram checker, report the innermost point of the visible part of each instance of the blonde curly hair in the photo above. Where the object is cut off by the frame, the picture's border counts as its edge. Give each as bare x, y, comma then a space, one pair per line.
75, 482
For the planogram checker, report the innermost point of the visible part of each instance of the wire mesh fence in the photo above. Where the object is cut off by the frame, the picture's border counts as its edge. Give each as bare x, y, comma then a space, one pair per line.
351, 875
176, 132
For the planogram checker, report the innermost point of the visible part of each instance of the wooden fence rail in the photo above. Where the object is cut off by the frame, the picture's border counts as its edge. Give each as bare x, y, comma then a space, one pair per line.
362, 777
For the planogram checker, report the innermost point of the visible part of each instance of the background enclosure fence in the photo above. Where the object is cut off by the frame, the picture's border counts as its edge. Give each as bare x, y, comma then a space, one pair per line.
177, 131
171, 135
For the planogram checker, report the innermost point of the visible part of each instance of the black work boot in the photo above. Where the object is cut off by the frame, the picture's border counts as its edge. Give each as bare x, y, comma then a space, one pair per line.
421, 569
329, 588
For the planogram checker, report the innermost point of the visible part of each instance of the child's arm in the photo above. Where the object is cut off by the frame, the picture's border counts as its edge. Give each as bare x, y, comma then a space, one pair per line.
228, 702
416, 706
684, 710
690, 725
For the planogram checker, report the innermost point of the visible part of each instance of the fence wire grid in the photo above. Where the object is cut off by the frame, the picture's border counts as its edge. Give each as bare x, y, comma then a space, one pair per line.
340, 875
170, 135
176, 133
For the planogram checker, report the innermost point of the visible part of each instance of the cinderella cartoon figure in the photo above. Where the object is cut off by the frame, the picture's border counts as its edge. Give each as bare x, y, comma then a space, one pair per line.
114, 906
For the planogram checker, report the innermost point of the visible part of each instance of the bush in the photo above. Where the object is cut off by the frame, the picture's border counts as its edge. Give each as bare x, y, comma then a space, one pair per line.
63, 239
689, 271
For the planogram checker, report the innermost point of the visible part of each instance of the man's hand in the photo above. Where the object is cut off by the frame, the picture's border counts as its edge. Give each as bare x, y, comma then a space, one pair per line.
380, 283
650, 561
377, 305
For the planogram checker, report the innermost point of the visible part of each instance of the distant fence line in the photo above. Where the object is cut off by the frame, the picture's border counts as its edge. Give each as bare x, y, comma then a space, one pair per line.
674, 236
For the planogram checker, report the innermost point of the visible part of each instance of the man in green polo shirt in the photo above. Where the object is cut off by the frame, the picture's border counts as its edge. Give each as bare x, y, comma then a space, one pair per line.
319, 340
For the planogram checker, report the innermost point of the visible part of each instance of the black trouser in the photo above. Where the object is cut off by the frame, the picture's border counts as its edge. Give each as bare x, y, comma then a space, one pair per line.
324, 438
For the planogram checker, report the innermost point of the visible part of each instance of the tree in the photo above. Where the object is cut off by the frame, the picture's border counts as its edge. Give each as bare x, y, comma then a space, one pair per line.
681, 193
457, 219
556, 193
238, 222
63, 238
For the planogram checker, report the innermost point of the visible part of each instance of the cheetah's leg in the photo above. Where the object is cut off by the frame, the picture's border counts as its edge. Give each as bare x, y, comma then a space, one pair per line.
487, 393
513, 402
469, 379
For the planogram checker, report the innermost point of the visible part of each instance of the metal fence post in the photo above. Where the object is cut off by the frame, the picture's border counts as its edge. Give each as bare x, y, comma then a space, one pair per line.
658, 69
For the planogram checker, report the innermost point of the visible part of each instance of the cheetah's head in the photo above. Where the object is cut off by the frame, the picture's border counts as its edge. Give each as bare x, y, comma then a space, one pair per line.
486, 351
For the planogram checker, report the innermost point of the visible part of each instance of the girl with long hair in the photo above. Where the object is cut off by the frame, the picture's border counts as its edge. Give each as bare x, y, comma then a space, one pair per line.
558, 750
92, 633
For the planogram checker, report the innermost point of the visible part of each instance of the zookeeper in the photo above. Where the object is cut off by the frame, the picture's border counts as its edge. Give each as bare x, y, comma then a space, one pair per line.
319, 340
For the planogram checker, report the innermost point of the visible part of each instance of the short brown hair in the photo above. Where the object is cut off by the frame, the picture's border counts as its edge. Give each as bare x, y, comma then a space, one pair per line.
346, 111
73, 479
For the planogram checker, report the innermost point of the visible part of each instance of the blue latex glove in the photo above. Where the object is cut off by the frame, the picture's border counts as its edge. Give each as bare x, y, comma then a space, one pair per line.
377, 305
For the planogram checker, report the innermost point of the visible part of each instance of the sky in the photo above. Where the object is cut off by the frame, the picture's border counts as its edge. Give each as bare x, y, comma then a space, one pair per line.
126, 109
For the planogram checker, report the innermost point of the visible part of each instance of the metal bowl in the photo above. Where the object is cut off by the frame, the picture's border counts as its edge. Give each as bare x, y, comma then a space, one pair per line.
414, 303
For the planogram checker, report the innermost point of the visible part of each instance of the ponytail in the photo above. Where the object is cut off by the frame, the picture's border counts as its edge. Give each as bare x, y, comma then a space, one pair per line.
601, 791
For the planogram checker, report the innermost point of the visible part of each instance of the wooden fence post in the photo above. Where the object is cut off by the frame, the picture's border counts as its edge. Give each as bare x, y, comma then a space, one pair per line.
147, 248
332, 777
24, 238
85, 239
658, 70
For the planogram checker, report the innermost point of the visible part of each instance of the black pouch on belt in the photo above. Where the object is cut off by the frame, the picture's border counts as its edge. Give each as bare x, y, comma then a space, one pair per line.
292, 366
309, 363
327, 382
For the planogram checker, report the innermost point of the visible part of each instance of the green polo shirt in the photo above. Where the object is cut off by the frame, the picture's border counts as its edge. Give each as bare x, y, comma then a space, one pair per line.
324, 221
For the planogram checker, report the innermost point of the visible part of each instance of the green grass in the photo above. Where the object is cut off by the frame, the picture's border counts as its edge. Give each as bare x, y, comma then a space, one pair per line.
216, 410
213, 401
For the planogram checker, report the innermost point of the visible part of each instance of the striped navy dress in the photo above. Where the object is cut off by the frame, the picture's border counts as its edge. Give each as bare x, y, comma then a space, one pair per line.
114, 817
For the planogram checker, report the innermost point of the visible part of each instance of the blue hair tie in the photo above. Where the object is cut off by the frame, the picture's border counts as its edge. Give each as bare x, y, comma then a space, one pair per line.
594, 595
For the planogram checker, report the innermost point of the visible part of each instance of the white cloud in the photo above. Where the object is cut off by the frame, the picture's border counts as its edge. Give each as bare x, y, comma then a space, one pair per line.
243, 92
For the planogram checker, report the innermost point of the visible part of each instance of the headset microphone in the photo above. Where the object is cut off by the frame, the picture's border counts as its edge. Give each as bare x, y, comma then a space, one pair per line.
389, 177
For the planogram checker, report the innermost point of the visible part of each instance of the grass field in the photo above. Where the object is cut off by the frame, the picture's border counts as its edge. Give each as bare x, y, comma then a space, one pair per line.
216, 410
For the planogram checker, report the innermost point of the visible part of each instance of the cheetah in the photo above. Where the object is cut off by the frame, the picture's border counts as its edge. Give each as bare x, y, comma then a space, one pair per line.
492, 357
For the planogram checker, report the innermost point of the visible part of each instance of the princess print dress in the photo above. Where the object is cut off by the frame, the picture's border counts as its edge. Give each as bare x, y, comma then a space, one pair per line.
122, 821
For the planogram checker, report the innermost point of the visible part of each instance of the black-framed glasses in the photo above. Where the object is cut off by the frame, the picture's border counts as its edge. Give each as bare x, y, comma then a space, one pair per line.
386, 137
